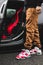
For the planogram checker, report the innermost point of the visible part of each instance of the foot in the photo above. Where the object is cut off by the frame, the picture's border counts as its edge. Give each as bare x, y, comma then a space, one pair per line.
36, 50
32, 51
23, 54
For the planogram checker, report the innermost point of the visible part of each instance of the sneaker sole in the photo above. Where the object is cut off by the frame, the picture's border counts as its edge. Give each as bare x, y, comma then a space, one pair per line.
23, 58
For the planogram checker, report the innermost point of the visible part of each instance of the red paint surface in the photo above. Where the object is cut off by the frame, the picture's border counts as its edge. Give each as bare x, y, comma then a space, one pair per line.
14, 24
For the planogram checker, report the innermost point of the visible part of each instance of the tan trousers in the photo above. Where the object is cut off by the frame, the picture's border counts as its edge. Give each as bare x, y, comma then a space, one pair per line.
32, 33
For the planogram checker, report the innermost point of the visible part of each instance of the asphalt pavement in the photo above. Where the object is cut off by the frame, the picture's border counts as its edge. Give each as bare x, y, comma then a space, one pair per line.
10, 59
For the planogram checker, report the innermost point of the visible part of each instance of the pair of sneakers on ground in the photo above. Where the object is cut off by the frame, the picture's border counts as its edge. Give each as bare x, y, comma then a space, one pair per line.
25, 53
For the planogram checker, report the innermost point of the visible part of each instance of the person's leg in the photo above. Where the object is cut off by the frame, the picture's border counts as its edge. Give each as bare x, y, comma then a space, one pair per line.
36, 39
36, 34
29, 28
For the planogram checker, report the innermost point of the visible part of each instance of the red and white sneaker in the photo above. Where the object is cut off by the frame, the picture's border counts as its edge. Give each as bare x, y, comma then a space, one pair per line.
36, 50
23, 54
33, 51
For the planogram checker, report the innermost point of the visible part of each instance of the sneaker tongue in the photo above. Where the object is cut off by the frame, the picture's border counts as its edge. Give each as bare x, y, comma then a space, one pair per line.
27, 51
36, 48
